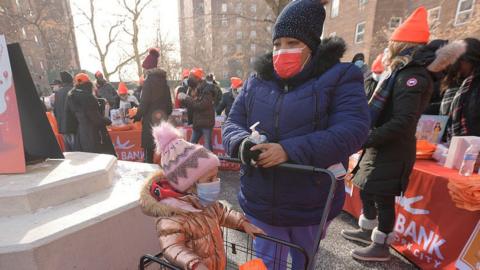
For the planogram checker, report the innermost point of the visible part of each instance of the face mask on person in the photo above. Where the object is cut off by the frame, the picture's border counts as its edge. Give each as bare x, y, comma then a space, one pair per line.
235, 93
288, 62
208, 193
185, 82
359, 63
192, 82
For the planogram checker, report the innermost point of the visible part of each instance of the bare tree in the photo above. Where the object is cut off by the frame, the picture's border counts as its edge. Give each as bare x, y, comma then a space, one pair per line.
134, 14
103, 50
277, 5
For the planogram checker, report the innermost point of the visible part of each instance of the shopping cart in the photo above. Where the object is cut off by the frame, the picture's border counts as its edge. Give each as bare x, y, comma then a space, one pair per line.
239, 246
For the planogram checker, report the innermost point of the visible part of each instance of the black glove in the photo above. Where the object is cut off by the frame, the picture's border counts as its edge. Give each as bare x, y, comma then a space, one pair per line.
245, 154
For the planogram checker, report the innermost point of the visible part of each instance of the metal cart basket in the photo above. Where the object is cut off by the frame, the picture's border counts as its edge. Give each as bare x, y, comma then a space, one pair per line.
239, 246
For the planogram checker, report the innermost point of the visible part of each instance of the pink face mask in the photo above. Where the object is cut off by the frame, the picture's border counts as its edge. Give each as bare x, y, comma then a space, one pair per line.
288, 62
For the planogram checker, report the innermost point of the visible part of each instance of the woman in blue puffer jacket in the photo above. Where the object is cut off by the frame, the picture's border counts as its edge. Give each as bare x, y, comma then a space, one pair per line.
313, 111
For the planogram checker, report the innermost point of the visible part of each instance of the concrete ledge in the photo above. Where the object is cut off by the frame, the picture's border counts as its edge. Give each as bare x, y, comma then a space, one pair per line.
24, 232
105, 230
55, 182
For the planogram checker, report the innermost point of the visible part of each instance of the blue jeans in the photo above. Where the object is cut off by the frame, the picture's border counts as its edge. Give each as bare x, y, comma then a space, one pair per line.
206, 133
303, 236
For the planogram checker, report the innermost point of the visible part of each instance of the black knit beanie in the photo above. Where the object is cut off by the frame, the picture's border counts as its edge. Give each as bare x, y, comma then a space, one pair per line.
303, 20
66, 77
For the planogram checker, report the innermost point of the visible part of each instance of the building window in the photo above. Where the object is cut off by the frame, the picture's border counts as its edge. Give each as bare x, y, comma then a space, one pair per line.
253, 8
239, 48
464, 11
225, 49
238, 8
253, 48
30, 62
434, 14
335, 8
362, 3
24, 33
252, 60
394, 22
239, 35
224, 8
239, 22
224, 22
360, 33
225, 75
253, 34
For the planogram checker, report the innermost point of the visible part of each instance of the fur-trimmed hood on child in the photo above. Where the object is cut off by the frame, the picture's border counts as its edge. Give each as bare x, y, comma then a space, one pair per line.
188, 232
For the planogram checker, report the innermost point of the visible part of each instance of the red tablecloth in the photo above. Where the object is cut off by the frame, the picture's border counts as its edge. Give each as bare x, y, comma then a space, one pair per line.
432, 231
128, 145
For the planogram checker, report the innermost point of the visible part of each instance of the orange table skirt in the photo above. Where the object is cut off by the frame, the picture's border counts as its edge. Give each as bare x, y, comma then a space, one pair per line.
431, 231
128, 145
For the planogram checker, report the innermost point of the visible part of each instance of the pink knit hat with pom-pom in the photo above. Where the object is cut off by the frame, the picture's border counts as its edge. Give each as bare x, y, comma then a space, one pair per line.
182, 162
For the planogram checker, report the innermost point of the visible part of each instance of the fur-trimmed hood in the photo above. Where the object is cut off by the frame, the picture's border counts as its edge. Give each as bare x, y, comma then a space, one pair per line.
328, 53
167, 207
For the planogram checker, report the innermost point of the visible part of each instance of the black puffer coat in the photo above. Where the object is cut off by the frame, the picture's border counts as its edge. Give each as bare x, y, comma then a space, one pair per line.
91, 135
391, 146
202, 107
155, 104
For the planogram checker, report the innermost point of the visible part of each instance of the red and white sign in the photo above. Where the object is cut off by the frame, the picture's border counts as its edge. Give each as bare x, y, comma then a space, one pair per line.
12, 159
430, 230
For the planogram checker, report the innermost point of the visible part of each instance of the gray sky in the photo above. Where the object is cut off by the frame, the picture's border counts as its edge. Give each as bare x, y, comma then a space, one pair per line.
165, 11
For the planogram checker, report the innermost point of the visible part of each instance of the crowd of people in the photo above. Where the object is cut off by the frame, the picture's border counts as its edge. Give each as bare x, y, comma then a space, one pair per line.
312, 108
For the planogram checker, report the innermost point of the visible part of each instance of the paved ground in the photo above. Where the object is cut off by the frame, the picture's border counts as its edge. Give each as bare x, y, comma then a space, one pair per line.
335, 251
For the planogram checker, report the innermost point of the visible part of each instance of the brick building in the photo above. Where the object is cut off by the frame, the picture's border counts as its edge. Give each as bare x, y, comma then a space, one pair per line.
224, 36
367, 24
45, 32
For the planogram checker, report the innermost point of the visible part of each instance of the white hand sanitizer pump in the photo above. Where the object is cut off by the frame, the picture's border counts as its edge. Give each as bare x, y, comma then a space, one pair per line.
255, 136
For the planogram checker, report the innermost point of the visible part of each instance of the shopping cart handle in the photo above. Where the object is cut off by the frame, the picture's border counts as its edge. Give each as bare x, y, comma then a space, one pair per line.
289, 166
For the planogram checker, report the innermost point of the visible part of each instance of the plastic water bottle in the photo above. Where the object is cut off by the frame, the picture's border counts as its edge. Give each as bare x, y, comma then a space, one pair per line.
469, 160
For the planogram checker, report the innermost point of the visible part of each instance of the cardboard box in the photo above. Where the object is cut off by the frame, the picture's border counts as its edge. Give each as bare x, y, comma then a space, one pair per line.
457, 149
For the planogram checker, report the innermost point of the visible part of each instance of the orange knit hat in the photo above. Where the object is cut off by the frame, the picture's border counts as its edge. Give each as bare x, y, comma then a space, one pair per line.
185, 73
122, 89
236, 82
415, 29
377, 65
198, 73
81, 78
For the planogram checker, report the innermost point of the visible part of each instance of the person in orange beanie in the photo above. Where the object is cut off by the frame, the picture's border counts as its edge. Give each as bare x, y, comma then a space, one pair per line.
200, 103
374, 77
84, 115
126, 101
402, 94
229, 97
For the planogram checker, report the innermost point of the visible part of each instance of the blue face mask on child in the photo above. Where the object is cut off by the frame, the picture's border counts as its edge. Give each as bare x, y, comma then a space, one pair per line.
208, 193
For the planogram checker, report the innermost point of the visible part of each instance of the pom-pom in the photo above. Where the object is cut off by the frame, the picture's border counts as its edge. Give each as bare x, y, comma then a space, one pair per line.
154, 52
164, 134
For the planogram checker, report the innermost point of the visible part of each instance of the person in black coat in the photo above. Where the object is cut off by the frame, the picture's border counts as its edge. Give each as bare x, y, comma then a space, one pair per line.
155, 102
461, 100
390, 150
91, 135
229, 97
106, 90
59, 109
